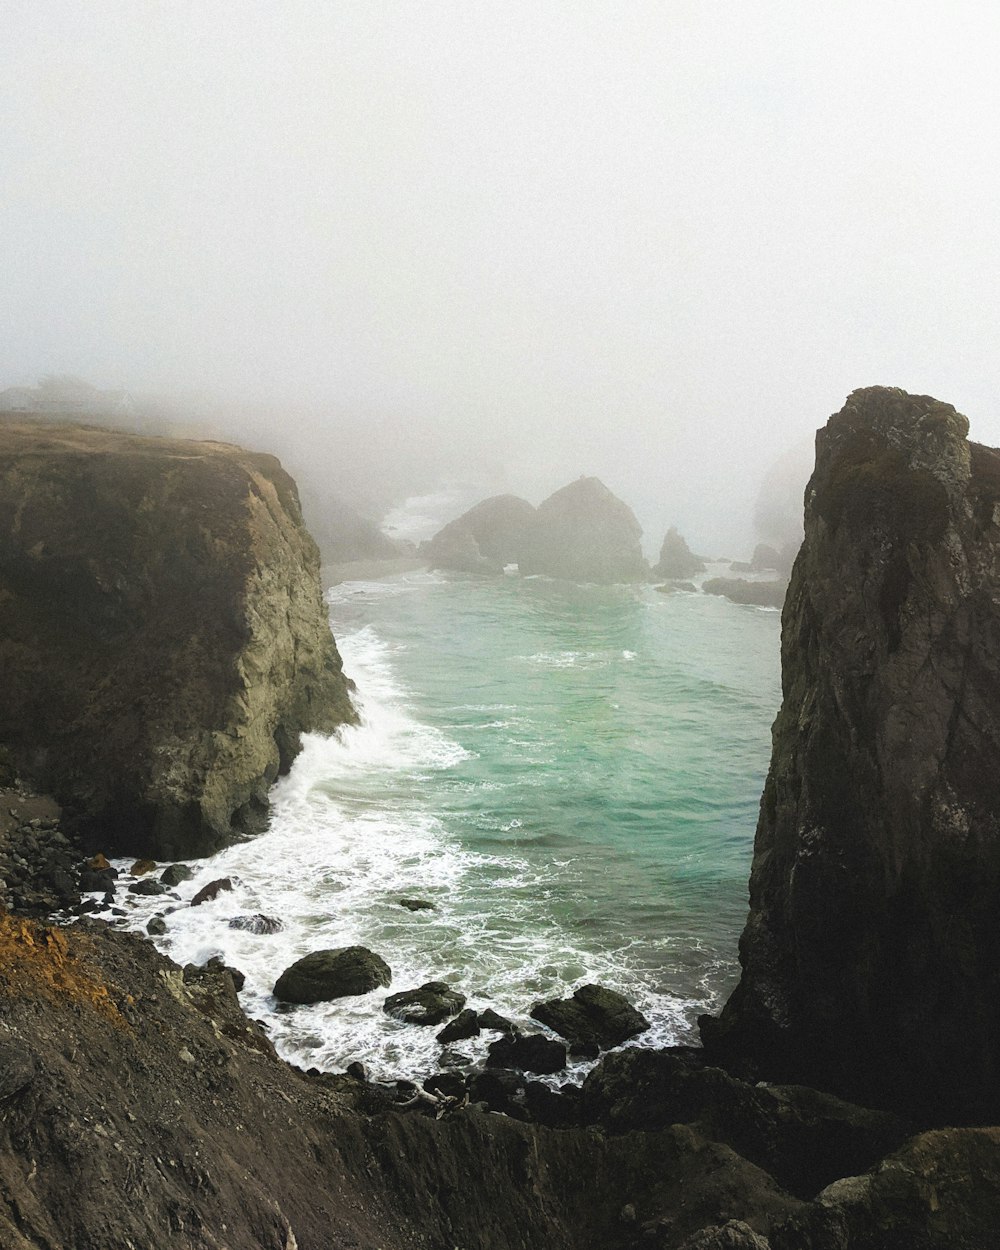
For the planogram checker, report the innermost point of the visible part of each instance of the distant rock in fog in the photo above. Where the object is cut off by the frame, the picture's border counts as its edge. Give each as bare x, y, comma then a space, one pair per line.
677, 561
486, 538
585, 533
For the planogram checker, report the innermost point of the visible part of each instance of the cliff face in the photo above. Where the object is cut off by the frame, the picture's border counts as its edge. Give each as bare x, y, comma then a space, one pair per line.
163, 640
871, 956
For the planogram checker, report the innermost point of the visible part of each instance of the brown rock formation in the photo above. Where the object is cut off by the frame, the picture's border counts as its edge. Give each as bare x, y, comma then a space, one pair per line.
871, 957
163, 641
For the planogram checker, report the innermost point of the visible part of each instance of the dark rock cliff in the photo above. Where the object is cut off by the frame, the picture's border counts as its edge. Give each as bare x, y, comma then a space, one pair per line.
871, 956
163, 641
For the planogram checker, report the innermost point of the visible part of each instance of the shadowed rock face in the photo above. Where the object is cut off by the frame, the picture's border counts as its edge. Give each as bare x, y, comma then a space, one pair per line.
871, 956
163, 640
484, 539
585, 533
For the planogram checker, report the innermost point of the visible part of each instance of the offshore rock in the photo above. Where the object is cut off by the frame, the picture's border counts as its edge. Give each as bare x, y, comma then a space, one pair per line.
427, 1004
871, 956
740, 590
677, 561
586, 534
184, 570
484, 539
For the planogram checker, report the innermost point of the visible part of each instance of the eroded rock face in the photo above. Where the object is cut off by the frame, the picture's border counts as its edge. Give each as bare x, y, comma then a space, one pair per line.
484, 539
587, 534
871, 957
162, 635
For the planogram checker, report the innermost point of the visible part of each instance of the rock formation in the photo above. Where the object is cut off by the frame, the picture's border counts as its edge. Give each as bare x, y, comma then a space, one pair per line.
677, 561
770, 594
585, 533
871, 957
163, 641
484, 539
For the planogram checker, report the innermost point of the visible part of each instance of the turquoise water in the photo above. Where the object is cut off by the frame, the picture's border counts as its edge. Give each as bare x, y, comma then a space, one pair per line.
570, 774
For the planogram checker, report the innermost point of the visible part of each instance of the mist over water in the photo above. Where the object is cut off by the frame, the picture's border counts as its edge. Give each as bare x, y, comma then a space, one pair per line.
569, 774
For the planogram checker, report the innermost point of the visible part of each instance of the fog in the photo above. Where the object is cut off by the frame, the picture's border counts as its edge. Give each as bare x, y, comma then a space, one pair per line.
510, 243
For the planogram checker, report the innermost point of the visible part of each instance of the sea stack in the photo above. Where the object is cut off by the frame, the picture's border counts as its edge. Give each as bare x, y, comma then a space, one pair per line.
587, 534
483, 540
163, 639
677, 561
871, 956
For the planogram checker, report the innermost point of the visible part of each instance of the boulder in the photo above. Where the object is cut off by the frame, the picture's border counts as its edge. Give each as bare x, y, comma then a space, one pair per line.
585, 533
428, 1004
677, 561
256, 924
174, 874
208, 893
185, 569
416, 904
147, 887
156, 926
593, 1015
328, 974
490, 1019
142, 866
871, 953
527, 1052
465, 1025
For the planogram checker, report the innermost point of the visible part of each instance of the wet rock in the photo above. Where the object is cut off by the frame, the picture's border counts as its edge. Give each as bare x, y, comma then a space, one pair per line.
677, 561
256, 924
174, 874
147, 887
428, 1004
490, 1019
594, 1015
209, 892
142, 866
465, 1024
584, 1050
497, 1089
156, 926
546, 1106
328, 974
530, 1052
357, 1070
416, 904
102, 879
446, 1085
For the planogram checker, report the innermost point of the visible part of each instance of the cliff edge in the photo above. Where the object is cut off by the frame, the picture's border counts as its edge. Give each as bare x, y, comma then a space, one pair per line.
871, 956
163, 640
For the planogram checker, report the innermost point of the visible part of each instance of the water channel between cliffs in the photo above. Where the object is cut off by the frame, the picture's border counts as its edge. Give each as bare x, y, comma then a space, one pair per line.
569, 774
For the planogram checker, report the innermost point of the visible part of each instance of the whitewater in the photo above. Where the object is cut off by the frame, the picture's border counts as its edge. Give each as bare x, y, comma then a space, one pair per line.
569, 776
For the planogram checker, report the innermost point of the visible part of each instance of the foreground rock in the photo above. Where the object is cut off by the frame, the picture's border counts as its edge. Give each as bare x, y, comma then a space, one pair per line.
594, 1014
585, 533
322, 976
677, 561
871, 958
185, 570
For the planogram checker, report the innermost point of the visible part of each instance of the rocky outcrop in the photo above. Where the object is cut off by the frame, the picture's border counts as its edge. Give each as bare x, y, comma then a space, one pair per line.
483, 540
594, 1014
322, 976
585, 533
871, 957
163, 640
677, 561
770, 594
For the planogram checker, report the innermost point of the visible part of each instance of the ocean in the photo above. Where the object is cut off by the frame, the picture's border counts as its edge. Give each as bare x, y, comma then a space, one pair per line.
569, 775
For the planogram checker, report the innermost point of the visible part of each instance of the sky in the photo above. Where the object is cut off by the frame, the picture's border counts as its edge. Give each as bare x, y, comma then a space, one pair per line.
515, 242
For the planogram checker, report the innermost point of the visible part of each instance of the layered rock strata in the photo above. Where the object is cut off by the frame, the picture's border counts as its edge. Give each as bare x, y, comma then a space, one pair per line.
163, 640
871, 956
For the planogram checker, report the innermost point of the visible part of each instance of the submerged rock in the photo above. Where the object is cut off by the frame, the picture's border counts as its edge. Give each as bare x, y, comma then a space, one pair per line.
586, 534
256, 924
465, 1025
593, 1015
677, 561
416, 904
428, 1004
208, 893
174, 874
871, 957
324, 975
184, 569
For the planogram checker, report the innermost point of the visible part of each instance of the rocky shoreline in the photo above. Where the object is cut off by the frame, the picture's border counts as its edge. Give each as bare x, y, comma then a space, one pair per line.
140, 1107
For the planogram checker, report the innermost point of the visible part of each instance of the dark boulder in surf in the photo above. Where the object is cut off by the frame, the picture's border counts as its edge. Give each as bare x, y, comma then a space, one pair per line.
593, 1015
322, 976
428, 1004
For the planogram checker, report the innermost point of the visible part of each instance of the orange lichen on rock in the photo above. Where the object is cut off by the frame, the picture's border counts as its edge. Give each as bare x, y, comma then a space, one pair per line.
40, 962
